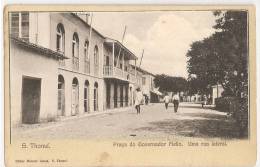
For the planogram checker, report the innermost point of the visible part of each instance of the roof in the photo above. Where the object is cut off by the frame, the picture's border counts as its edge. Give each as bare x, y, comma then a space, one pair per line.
38, 48
121, 45
86, 24
143, 71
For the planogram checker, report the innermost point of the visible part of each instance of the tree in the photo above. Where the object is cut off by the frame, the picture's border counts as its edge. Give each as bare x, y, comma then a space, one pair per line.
168, 83
222, 57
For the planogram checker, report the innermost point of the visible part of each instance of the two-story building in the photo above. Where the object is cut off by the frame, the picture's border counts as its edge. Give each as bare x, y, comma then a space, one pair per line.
119, 79
61, 66
33, 69
145, 80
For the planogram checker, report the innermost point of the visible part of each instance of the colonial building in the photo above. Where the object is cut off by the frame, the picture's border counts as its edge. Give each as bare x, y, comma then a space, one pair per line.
145, 80
33, 73
119, 78
61, 66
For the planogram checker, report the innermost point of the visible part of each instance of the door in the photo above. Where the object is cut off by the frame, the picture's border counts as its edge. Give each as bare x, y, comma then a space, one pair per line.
61, 96
108, 95
96, 96
74, 109
121, 96
126, 95
115, 96
131, 97
31, 98
86, 106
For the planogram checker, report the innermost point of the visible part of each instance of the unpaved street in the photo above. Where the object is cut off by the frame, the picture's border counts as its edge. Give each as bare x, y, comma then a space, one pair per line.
153, 122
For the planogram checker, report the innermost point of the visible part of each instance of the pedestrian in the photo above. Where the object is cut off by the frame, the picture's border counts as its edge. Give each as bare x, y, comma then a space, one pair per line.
138, 100
146, 99
176, 100
166, 100
204, 102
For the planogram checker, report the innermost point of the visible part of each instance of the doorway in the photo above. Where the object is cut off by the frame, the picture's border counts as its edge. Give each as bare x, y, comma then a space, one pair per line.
121, 96
108, 95
86, 96
31, 99
61, 96
115, 96
75, 97
96, 96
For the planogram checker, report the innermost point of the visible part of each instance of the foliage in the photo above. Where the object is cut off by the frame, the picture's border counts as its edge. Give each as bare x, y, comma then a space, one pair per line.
222, 57
168, 83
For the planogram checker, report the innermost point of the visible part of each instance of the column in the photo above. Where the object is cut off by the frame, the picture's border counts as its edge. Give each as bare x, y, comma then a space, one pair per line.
113, 58
123, 58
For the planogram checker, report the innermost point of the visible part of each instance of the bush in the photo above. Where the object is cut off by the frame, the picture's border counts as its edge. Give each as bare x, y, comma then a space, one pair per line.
227, 104
238, 108
241, 117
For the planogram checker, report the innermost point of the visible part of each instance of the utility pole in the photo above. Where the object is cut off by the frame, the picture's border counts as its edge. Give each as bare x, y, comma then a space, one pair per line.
141, 59
120, 46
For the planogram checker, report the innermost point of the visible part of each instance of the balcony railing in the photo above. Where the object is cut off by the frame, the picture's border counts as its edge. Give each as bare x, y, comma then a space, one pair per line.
61, 62
87, 67
75, 63
110, 71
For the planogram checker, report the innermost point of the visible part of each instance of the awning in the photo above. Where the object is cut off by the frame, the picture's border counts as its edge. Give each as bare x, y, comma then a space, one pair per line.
156, 92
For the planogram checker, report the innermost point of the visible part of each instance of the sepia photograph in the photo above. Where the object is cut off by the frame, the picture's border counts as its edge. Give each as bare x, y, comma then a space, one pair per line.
157, 75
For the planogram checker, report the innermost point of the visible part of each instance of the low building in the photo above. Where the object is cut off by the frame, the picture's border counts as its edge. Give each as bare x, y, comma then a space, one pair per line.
217, 91
33, 81
145, 80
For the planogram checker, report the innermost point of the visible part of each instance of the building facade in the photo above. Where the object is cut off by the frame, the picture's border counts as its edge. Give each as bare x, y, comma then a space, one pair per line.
217, 91
145, 80
61, 66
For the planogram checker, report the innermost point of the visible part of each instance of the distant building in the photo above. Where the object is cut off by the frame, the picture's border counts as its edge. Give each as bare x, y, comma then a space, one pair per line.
145, 80
217, 91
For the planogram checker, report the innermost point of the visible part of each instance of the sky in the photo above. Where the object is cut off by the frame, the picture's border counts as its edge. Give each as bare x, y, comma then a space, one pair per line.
165, 36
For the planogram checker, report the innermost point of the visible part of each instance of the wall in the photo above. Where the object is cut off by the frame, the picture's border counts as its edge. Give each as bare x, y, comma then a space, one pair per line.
39, 28
68, 77
71, 25
216, 92
24, 62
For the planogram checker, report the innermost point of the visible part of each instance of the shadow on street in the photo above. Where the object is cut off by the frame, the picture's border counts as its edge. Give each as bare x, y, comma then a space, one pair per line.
199, 125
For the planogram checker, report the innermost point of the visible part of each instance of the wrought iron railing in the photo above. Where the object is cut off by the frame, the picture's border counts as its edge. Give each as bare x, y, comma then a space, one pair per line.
75, 63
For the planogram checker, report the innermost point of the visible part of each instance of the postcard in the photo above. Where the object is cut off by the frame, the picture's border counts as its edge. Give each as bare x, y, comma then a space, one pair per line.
130, 85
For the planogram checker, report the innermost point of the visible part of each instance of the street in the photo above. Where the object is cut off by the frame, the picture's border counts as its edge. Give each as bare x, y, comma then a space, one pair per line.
154, 122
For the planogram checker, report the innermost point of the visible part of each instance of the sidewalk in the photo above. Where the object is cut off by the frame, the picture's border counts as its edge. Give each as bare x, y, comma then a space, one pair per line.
61, 120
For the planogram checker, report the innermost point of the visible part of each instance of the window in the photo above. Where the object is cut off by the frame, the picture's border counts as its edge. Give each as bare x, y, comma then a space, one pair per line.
75, 51
96, 60
86, 44
96, 55
20, 25
143, 80
86, 58
125, 68
60, 45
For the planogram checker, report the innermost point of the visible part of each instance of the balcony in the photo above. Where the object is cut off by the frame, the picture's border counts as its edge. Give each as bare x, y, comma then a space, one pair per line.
75, 63
87, 67
117, 73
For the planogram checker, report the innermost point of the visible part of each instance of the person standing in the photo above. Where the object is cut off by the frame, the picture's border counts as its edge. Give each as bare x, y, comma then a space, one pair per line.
176, 101
138, 100
166, 100
204, 102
